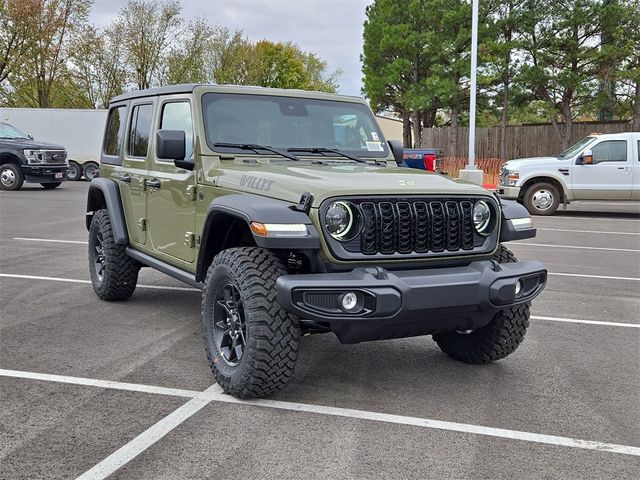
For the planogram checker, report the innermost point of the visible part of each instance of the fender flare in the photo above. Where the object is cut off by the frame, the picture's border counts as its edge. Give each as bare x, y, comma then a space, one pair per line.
104, 193
511, 210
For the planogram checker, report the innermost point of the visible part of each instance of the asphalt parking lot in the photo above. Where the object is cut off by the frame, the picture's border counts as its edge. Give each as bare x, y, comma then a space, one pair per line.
94, 387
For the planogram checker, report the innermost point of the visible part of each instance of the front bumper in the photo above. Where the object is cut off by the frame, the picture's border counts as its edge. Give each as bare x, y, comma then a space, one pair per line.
410, 302
509, 192
45, 173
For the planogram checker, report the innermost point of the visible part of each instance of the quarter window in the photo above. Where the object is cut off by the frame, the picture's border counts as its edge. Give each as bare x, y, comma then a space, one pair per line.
177, 116
610, 151
140, 130
115, 131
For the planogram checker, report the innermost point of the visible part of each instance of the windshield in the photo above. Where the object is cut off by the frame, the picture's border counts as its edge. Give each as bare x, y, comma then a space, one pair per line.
574, 149
290, 123
7, 131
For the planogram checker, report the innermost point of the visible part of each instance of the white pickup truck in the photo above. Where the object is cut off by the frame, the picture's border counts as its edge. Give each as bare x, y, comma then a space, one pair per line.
598, 167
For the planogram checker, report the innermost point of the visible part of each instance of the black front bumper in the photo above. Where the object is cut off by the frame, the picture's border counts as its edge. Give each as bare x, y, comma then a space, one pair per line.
393, 304
44, 173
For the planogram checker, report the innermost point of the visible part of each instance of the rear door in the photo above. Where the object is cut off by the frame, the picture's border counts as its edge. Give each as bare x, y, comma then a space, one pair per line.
611, 174
171, 205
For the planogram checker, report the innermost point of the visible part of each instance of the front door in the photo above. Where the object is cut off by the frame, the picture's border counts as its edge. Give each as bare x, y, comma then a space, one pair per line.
609, 177
171, 201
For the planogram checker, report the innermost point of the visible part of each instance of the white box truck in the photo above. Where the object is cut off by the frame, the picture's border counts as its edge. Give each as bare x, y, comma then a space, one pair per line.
79, 131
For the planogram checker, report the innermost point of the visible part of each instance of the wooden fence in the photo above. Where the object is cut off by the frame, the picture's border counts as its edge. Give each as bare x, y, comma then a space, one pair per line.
522, 140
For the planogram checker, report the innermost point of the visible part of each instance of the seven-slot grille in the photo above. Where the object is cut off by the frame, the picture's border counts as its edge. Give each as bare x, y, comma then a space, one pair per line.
415, 226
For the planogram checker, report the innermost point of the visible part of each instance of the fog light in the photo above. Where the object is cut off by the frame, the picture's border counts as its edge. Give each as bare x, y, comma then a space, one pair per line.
518, 288
349, 301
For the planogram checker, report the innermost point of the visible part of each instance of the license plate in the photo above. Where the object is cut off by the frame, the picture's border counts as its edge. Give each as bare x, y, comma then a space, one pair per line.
59, 174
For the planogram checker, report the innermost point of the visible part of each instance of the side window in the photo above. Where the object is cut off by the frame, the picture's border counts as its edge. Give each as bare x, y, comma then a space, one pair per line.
140, 130
177, 116
610, 151
115, 131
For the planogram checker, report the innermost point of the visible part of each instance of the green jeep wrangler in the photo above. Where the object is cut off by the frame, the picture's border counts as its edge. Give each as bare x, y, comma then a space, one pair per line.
288, 209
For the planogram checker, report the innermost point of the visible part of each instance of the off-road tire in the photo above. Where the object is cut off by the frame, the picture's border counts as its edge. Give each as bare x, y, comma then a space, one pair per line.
75, 171
272, 335
120, 272
18, 177
536, 188
494, 341
51, 186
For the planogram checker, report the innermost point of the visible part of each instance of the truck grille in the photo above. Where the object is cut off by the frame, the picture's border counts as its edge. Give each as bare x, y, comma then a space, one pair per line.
421, 227
504, 174
54, 156
416, 226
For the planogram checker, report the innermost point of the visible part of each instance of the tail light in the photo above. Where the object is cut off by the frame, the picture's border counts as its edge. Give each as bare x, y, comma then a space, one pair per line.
430, 162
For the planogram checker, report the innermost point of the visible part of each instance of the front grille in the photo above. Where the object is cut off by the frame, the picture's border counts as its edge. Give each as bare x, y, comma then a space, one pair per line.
54, 156
414, 226
504, 176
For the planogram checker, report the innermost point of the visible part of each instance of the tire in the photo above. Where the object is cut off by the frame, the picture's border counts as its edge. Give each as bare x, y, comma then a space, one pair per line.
268, 336
542, 199
113, 273
51, 186
75, 171
11, 177
90, 171
500, 338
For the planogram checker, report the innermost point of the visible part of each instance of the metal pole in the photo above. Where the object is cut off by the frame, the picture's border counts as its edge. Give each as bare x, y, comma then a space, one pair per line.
474, 67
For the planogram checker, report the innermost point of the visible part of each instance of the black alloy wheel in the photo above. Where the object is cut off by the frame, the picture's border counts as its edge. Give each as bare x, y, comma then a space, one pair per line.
229, 328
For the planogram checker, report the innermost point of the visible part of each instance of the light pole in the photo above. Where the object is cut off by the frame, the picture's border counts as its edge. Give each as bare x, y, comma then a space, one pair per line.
470, 172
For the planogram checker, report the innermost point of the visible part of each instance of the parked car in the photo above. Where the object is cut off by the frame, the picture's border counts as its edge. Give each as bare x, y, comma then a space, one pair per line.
291, 230
598, 167
23, 159
79, 130
429, 159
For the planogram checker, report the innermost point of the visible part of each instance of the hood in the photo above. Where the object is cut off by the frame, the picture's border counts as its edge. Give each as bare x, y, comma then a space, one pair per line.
25, 143
289, 180
532, 161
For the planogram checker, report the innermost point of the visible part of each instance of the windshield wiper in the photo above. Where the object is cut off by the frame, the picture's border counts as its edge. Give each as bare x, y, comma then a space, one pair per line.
327, 150
255, 148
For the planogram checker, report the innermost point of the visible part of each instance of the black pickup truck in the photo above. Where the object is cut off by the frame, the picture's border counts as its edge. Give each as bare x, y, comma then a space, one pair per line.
23, 159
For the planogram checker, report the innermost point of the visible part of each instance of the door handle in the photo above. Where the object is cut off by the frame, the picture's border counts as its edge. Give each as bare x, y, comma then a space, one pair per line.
124, 178
155, 183
621, 168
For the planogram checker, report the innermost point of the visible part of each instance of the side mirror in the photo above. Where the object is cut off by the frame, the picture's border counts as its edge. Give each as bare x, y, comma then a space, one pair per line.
30, 137
586, 158
171, 145
396, 150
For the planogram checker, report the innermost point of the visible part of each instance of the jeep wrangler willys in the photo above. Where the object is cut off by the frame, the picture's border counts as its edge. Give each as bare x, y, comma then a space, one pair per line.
287, 208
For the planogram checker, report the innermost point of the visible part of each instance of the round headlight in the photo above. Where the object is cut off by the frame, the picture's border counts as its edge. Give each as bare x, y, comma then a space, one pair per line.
481, 217
338, 220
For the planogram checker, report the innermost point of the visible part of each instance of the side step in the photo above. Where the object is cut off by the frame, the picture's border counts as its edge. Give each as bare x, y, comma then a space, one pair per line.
166, 268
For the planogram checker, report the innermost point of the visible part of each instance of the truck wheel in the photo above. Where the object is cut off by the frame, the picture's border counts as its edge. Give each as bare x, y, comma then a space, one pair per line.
91, 170
113, 274
51, 186
75, 171
11, 177
542, 199
251, 342
494, 341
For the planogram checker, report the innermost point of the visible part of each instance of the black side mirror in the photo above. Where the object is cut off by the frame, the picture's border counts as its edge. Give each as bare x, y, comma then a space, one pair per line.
397, 150
171, 145
30, 137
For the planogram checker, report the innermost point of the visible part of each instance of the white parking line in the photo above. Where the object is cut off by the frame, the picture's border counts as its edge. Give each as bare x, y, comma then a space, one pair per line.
50, 240
139, 444
573, 247
74, 280
91, 382
588, 322
586, 231
582, 275
214, 393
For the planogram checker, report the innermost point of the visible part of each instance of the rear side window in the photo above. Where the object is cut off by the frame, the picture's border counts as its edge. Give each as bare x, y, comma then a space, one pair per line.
115, 131
140, 130
610, 151
177, 116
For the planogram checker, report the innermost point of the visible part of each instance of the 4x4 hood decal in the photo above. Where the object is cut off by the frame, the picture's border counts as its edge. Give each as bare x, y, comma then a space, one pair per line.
288, 181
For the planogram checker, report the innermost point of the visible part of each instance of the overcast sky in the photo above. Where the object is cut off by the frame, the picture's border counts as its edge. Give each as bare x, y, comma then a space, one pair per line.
330, 28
